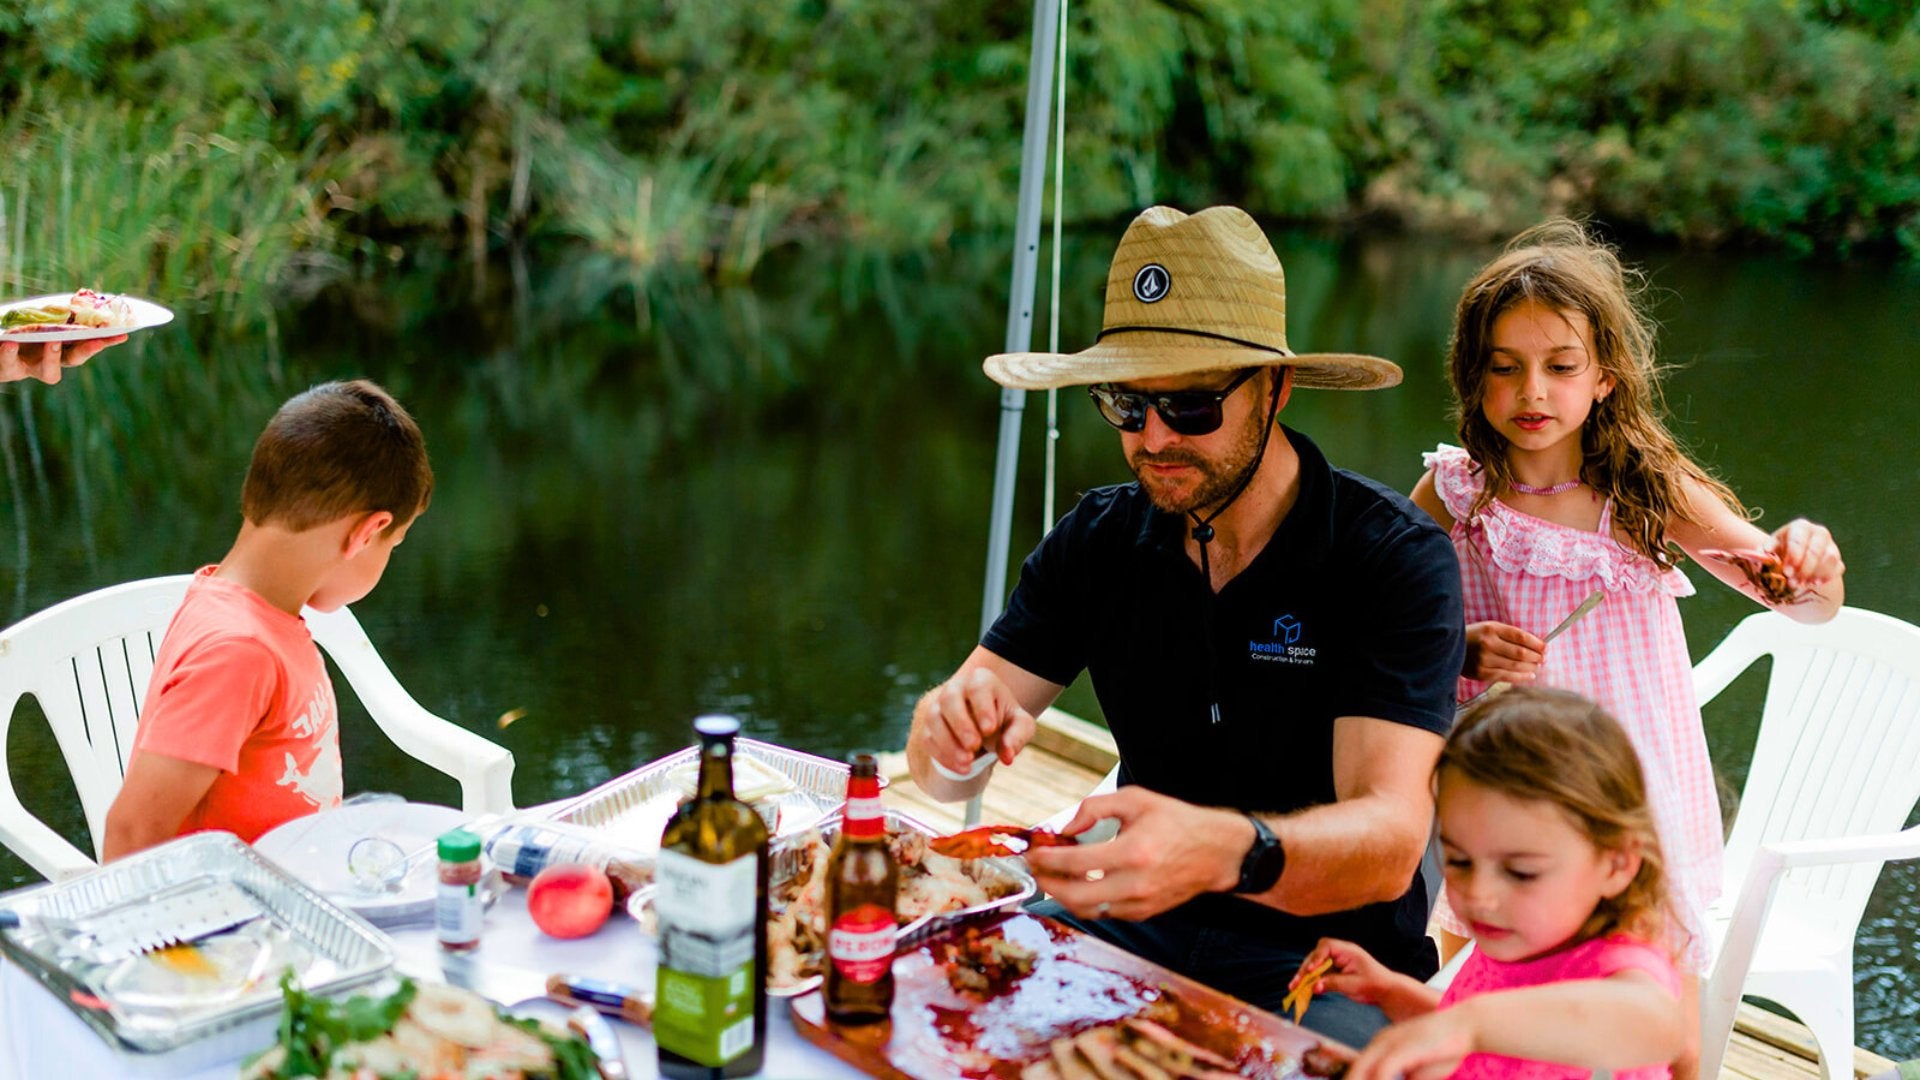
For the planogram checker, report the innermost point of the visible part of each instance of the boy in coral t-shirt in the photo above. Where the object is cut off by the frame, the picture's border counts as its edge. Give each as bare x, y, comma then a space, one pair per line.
240, 731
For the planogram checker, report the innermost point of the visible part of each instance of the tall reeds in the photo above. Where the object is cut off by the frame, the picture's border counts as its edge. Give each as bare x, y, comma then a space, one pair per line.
152, 200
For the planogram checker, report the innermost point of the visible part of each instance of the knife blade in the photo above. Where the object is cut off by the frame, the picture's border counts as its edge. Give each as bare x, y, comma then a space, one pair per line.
1592, 601
608, 1059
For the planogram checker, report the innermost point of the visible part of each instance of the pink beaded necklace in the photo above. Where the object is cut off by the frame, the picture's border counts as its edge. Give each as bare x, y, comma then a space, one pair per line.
1557, 489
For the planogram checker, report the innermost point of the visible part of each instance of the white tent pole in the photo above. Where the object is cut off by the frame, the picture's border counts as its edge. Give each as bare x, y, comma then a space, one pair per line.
1026, 256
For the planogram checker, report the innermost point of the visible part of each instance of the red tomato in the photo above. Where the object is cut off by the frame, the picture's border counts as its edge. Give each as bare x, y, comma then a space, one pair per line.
570, 900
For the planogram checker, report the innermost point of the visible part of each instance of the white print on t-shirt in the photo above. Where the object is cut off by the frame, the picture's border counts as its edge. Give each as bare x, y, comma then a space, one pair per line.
321, 783
320, 711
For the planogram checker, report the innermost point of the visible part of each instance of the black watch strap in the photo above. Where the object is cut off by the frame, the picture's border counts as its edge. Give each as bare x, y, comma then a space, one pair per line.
1260, 870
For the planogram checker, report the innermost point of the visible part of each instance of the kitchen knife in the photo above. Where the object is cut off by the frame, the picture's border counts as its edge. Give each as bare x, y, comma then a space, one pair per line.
510, 986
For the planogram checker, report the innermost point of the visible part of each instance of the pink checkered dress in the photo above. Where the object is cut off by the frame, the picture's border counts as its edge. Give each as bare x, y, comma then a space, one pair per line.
1629, 654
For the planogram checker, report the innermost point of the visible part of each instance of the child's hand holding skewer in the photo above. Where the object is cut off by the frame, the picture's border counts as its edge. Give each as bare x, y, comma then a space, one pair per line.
1341, 967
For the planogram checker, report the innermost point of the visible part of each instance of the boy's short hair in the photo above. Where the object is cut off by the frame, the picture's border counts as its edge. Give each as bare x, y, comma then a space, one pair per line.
341, 448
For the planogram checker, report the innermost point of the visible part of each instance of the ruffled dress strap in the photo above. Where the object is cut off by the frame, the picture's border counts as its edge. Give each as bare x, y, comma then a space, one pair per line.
1520, 543
1456, 479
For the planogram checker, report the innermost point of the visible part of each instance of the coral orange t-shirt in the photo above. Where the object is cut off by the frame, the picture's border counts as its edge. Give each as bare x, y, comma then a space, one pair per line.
239, 685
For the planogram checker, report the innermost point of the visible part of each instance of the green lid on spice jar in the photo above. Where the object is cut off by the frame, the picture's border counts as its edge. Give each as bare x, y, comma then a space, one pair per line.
459, 845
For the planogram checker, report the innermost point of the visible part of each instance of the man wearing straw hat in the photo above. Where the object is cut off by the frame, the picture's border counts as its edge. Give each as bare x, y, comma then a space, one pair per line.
1274, 642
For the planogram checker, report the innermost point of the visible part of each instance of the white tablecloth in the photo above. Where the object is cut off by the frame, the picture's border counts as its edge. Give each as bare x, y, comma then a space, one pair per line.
40, 1039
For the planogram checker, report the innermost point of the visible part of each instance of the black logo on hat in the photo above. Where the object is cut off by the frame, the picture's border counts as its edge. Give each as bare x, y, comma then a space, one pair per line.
1152, 283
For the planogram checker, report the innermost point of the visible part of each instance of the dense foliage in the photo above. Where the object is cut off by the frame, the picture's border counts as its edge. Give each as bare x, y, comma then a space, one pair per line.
222, 144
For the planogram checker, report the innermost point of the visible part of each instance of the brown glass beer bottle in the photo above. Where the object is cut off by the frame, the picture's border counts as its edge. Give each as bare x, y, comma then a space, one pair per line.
863, 882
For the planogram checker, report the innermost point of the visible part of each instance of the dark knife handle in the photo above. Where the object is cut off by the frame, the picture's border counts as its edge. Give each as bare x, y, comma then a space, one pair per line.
618, 1000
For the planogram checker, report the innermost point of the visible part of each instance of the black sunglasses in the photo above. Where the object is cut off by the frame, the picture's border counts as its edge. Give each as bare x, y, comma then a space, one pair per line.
1185, 412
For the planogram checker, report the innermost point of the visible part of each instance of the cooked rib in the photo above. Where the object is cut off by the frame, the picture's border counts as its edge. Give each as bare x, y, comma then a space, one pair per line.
1138, 1065
1068, 1062
1097, 1046
1040, 1070
1183, 1054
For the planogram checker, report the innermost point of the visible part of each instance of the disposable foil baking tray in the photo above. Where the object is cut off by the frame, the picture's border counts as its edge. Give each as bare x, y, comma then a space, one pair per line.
153, 1004
631, 811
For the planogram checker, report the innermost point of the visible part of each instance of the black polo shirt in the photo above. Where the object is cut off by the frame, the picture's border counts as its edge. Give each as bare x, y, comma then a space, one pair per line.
1352, 609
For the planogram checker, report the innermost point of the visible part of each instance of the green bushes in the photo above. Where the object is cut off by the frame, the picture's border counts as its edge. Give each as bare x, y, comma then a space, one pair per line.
221, 145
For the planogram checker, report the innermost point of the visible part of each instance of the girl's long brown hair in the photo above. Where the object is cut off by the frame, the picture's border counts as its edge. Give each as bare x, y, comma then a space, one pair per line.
1556, 747
1627, 453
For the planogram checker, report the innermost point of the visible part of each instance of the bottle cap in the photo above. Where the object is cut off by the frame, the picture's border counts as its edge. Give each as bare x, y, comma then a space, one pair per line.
459, 845
863, 764
712, 727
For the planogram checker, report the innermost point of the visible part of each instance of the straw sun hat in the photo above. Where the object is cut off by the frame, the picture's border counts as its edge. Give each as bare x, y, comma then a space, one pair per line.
1190, 294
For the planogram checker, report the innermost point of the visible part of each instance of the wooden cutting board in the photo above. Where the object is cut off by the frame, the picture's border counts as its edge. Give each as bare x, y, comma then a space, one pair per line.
1078, 982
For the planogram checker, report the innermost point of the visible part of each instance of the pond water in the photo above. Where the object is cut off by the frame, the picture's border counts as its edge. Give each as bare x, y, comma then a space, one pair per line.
659, 497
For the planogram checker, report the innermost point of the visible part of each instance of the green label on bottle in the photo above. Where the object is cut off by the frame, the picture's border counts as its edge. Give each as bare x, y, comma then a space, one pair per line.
704, 988
704, 1018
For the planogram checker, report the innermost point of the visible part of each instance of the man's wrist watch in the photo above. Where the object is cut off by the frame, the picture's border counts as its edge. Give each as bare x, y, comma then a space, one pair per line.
1260, 870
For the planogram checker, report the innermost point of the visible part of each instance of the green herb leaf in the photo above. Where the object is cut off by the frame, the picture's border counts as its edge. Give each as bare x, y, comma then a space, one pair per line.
362, 1018
572, 1058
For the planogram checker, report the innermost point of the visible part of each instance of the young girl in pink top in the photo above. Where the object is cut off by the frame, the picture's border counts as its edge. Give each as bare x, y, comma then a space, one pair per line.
1553, 865
1568, 483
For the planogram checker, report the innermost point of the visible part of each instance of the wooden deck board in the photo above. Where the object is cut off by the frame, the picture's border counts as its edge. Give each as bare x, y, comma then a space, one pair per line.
1070, 756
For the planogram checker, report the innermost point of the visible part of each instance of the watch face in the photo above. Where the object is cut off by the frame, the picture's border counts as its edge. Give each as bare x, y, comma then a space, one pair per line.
1260, 870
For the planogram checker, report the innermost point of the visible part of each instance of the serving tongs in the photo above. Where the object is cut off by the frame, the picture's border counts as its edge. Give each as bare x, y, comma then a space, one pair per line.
176, 915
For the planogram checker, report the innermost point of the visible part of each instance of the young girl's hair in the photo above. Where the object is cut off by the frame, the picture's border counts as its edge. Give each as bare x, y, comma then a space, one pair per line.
1557, 747
1628, 454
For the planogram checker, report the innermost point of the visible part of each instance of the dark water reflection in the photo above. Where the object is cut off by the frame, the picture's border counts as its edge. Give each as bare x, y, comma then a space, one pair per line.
661, 498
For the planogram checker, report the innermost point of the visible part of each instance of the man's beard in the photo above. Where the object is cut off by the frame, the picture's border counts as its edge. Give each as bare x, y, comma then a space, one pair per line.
1218, 477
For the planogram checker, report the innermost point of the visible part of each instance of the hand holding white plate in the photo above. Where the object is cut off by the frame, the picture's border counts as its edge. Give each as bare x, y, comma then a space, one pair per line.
144, 314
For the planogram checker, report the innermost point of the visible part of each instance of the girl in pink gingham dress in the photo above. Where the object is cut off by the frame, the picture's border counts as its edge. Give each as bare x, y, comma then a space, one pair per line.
1567, 482
1629, 655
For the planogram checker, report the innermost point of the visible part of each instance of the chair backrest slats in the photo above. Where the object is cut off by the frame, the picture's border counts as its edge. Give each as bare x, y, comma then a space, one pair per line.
1838, 753
87, 663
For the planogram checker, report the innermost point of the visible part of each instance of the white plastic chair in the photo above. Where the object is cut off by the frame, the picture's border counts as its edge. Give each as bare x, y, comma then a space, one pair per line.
87, 661
1835, 774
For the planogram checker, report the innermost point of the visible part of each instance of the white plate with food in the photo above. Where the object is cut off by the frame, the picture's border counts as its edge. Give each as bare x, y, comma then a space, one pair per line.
78, 316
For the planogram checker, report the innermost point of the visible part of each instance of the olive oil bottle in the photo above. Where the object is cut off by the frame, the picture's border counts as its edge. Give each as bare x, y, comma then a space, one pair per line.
863, 886
710, 992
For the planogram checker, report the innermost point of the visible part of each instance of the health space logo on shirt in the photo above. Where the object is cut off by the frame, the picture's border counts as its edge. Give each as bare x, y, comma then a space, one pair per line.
1287, 645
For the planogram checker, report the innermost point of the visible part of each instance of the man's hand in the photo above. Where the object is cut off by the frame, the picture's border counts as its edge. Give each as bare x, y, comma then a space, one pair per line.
988, 704
47, 361
972, 712
1167, 853
1498, 651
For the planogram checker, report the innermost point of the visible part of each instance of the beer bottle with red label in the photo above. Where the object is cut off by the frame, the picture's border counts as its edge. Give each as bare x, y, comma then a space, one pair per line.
863, 882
